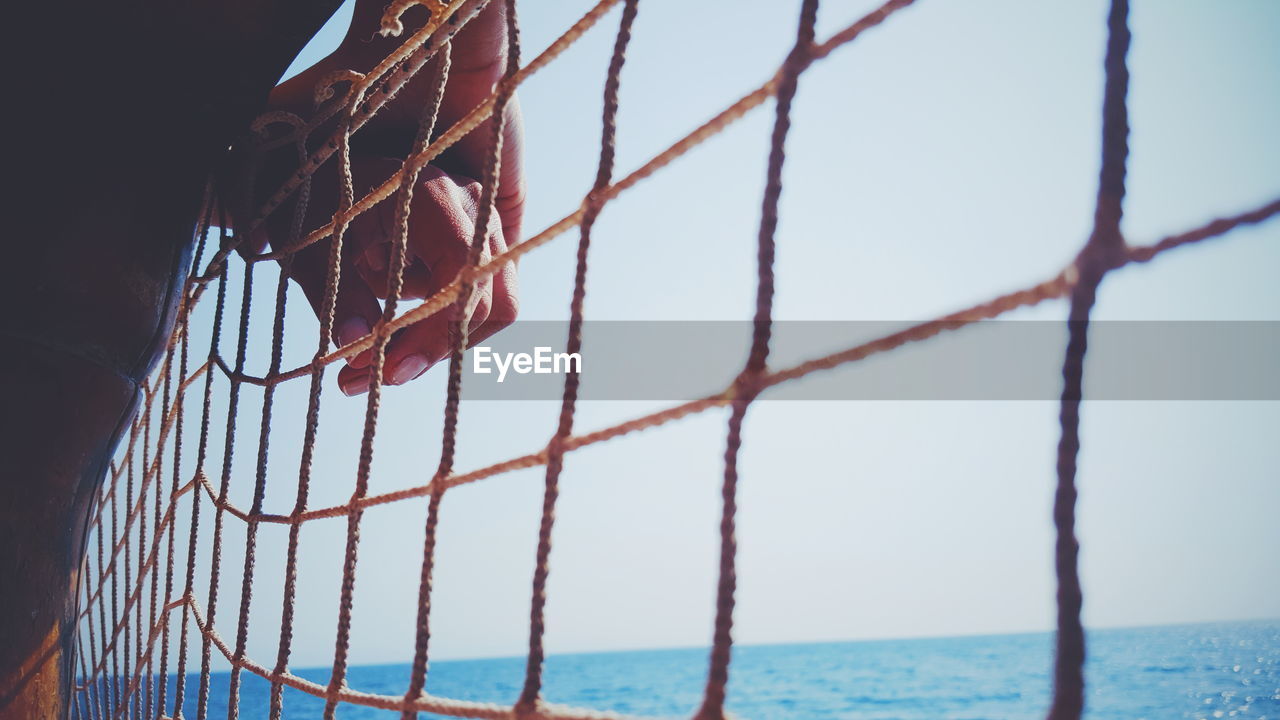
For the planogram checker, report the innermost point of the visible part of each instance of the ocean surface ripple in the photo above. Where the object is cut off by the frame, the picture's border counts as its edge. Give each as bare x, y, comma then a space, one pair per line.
1205, 671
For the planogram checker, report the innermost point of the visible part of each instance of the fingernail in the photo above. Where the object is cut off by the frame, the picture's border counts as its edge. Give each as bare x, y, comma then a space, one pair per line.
354, 385
352, 329
410, 367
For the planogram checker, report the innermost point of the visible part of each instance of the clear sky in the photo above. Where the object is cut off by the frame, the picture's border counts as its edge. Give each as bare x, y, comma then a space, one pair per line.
943, 158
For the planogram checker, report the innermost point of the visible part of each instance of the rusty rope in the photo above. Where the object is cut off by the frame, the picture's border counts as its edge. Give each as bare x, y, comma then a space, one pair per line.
1103, 252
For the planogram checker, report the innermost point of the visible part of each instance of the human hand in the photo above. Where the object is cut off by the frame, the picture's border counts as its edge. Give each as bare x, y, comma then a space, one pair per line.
443, 211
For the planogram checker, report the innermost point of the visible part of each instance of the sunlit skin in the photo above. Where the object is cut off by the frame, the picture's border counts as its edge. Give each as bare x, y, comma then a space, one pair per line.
445, 202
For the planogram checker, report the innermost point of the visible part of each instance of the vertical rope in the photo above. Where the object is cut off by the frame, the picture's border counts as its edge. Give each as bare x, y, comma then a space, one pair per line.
747, 385
136, 593
259, 492
426, 127
488, 181
458, 333
458, 330
121, 620
133, 657
176, 477
153, 616
88, 691
93, 689
418, 671
1103, 251
1115, 135
458, 336
592, 205
285, 645
337, 678
78, 698
201, 456
109, 689
228, 452
396, 275
264, 441
103, 687
93, 641
184, 341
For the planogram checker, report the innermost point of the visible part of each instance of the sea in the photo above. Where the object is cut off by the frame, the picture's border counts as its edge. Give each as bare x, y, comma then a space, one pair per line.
1203, 671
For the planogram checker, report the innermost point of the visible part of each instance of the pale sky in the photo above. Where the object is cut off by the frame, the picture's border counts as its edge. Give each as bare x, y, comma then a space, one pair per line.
943, 158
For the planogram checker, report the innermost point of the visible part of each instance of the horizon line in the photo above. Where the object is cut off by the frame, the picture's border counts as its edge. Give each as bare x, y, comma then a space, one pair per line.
785, 643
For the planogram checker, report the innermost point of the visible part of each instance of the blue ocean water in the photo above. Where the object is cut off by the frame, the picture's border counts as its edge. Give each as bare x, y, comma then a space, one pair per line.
1227, 670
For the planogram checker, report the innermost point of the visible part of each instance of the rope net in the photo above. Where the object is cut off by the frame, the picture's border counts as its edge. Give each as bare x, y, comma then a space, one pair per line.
139, 599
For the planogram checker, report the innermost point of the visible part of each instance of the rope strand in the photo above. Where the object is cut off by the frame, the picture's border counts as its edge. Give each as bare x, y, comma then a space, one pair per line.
1103, 252
592, 205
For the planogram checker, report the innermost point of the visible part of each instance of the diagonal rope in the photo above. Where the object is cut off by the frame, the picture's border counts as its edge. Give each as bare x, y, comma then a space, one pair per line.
1056, 287
447, 295
460, 129
414, 53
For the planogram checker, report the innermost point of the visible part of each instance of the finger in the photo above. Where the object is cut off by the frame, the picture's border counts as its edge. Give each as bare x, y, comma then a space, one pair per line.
421, 345
374, 264
442, 218
355, 307
414, 349
504, 298
497, 301
441, 225
445, 249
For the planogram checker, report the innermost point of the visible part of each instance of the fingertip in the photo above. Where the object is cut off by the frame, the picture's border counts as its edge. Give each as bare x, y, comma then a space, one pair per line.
352, 329
353, 382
